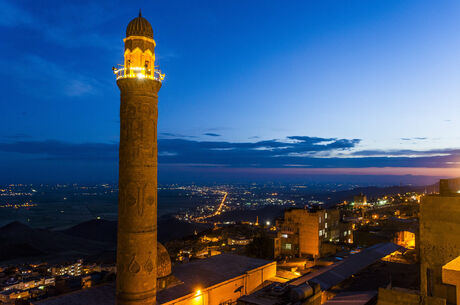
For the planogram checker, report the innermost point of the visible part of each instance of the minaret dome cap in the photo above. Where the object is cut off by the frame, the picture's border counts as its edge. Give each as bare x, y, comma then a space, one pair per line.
139, 26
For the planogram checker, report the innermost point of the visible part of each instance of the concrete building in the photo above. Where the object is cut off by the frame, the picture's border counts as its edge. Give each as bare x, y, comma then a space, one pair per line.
220, 279
139, 84
73, 269
301, 232
439, 241
439, 253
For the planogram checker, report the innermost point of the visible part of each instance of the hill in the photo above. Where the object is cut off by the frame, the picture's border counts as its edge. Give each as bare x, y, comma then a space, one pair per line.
169, 228
21, 241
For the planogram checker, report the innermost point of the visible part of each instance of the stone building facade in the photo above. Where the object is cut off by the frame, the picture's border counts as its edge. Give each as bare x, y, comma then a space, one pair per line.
302, 232
439, 253
439, 242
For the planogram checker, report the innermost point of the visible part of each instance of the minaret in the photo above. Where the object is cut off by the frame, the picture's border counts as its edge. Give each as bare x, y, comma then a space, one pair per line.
139, 84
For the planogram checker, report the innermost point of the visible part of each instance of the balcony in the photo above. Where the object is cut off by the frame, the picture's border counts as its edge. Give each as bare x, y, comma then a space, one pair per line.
138, 72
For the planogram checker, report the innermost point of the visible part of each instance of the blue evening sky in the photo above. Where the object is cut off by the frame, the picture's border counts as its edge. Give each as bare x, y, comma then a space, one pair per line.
249, 85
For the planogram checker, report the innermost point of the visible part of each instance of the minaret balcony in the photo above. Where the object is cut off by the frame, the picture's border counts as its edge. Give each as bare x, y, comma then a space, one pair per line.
139, 72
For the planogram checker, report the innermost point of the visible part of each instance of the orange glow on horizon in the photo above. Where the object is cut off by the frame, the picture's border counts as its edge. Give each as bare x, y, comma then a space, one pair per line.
451, 172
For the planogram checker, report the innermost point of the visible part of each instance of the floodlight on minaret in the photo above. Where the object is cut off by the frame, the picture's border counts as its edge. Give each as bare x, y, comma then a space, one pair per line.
139, 52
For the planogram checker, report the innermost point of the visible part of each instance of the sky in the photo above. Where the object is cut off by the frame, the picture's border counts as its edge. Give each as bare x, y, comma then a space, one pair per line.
253, 89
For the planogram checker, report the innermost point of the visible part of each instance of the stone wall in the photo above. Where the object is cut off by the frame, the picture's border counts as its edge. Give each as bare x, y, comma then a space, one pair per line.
439, 243
406, 297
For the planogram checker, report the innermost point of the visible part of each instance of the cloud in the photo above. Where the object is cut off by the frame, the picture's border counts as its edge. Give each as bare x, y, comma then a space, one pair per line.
292, 152
212, 134
176, 135
414, 139
54, 80
17, 136
58, 150
50, 63
408, 153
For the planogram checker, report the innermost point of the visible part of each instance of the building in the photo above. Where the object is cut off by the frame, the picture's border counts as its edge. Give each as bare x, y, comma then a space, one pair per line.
451, 275
73, 269
28, 283
139, 83
336, 229
439, 241
220, 279
452, 185
405, 239
9, 296
301, 232
359, 200
439, 253
238, 241
309, 289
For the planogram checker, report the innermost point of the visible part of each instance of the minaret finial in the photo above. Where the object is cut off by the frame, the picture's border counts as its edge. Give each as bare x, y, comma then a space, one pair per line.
140, 13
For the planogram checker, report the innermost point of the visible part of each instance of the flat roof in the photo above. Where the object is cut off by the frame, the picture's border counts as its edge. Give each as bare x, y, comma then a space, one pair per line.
329, 277
201, 274
198, 274
352, 265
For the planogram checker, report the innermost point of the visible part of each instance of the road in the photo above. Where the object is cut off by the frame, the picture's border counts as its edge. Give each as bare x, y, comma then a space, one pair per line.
218, 211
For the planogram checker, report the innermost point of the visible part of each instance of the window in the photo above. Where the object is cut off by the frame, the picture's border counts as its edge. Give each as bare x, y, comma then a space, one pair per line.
325, 225
320, 232
325, 215
287, 246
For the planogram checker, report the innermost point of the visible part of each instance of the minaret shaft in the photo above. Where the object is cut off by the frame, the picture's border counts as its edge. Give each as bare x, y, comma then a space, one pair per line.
139, 84
137, 211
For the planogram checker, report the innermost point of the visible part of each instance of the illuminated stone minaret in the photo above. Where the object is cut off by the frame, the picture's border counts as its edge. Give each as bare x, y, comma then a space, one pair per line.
139, 84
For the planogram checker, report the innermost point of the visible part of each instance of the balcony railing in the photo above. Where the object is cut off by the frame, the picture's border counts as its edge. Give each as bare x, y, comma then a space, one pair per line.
139, 72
